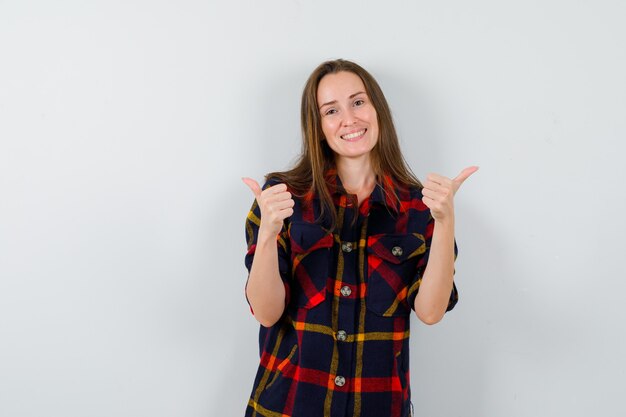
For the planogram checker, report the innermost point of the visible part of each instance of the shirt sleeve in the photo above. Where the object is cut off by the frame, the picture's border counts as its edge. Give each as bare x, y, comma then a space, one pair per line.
421, 267
253, 221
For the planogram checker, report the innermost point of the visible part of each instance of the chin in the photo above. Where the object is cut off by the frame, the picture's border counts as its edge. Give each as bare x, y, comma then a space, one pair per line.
352, 151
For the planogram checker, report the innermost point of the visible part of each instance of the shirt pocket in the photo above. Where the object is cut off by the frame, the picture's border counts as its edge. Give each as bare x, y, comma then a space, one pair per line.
391, 270
310, 261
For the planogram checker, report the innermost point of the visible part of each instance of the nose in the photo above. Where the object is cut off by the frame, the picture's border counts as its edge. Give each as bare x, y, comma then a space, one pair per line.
349, 118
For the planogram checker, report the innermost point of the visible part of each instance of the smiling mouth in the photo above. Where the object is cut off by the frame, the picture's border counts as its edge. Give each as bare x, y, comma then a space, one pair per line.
354, 136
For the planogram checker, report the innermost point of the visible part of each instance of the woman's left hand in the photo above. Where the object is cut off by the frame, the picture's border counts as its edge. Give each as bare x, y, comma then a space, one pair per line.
438, 193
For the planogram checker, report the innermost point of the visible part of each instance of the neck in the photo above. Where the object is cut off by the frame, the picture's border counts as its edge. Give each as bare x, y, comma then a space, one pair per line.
356, 174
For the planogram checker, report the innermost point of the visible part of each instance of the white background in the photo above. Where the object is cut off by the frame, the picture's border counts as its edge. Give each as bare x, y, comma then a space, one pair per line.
125, 127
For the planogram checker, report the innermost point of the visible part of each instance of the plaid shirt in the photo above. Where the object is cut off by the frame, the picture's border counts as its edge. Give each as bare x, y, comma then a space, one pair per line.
341, 347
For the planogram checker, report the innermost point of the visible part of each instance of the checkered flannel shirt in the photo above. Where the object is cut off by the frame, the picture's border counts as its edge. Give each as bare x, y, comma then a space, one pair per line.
341, 347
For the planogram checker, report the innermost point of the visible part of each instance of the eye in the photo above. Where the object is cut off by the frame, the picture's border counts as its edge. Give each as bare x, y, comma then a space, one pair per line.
329, 112
359, 102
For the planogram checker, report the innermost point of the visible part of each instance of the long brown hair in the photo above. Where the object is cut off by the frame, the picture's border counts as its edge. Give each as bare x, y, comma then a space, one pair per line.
307, 176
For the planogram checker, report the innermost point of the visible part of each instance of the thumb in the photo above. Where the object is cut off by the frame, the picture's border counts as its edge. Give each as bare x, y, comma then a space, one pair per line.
464, 175
253, 185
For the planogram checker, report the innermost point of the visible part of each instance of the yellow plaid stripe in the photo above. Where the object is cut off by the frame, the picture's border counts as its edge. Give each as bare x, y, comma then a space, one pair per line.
262, 411
359, 337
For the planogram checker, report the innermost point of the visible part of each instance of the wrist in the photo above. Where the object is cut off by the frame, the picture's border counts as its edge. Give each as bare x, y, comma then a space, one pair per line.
445, 224
265, 236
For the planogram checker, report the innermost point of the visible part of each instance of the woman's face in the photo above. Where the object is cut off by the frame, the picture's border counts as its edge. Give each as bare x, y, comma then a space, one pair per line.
348, 116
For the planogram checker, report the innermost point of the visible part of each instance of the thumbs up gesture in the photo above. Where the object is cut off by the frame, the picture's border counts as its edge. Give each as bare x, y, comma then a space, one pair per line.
275, 203
438, 193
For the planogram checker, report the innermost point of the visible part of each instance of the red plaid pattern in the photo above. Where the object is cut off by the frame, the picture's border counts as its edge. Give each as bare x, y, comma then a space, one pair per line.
342, 346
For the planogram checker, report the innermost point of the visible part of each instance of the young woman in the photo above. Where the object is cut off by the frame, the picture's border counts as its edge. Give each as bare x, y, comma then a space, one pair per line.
340, 249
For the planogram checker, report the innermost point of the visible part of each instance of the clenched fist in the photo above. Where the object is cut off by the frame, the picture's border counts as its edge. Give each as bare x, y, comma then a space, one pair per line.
275, 203
438, 193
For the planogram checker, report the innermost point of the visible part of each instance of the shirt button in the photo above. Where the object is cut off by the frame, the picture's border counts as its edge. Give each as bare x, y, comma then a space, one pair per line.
342, 335
340, 381
346, 246
396, 251
346, 291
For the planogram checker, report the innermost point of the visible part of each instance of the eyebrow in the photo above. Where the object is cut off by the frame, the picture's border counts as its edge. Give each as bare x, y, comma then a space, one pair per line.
334, 101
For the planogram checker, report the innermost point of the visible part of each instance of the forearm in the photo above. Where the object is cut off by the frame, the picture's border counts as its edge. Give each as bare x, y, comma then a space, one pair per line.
433, 296
265, 288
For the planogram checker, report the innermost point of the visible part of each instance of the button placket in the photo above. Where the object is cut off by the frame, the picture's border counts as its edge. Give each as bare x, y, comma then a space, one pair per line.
349, 248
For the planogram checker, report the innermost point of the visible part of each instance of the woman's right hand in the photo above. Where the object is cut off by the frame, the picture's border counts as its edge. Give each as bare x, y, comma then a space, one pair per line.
276, 205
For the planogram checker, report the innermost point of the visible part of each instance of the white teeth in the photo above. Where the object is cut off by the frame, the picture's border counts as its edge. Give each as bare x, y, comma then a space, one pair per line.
354, 135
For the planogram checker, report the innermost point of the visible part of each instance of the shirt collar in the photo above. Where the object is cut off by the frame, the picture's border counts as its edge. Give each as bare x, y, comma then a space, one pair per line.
383, 193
